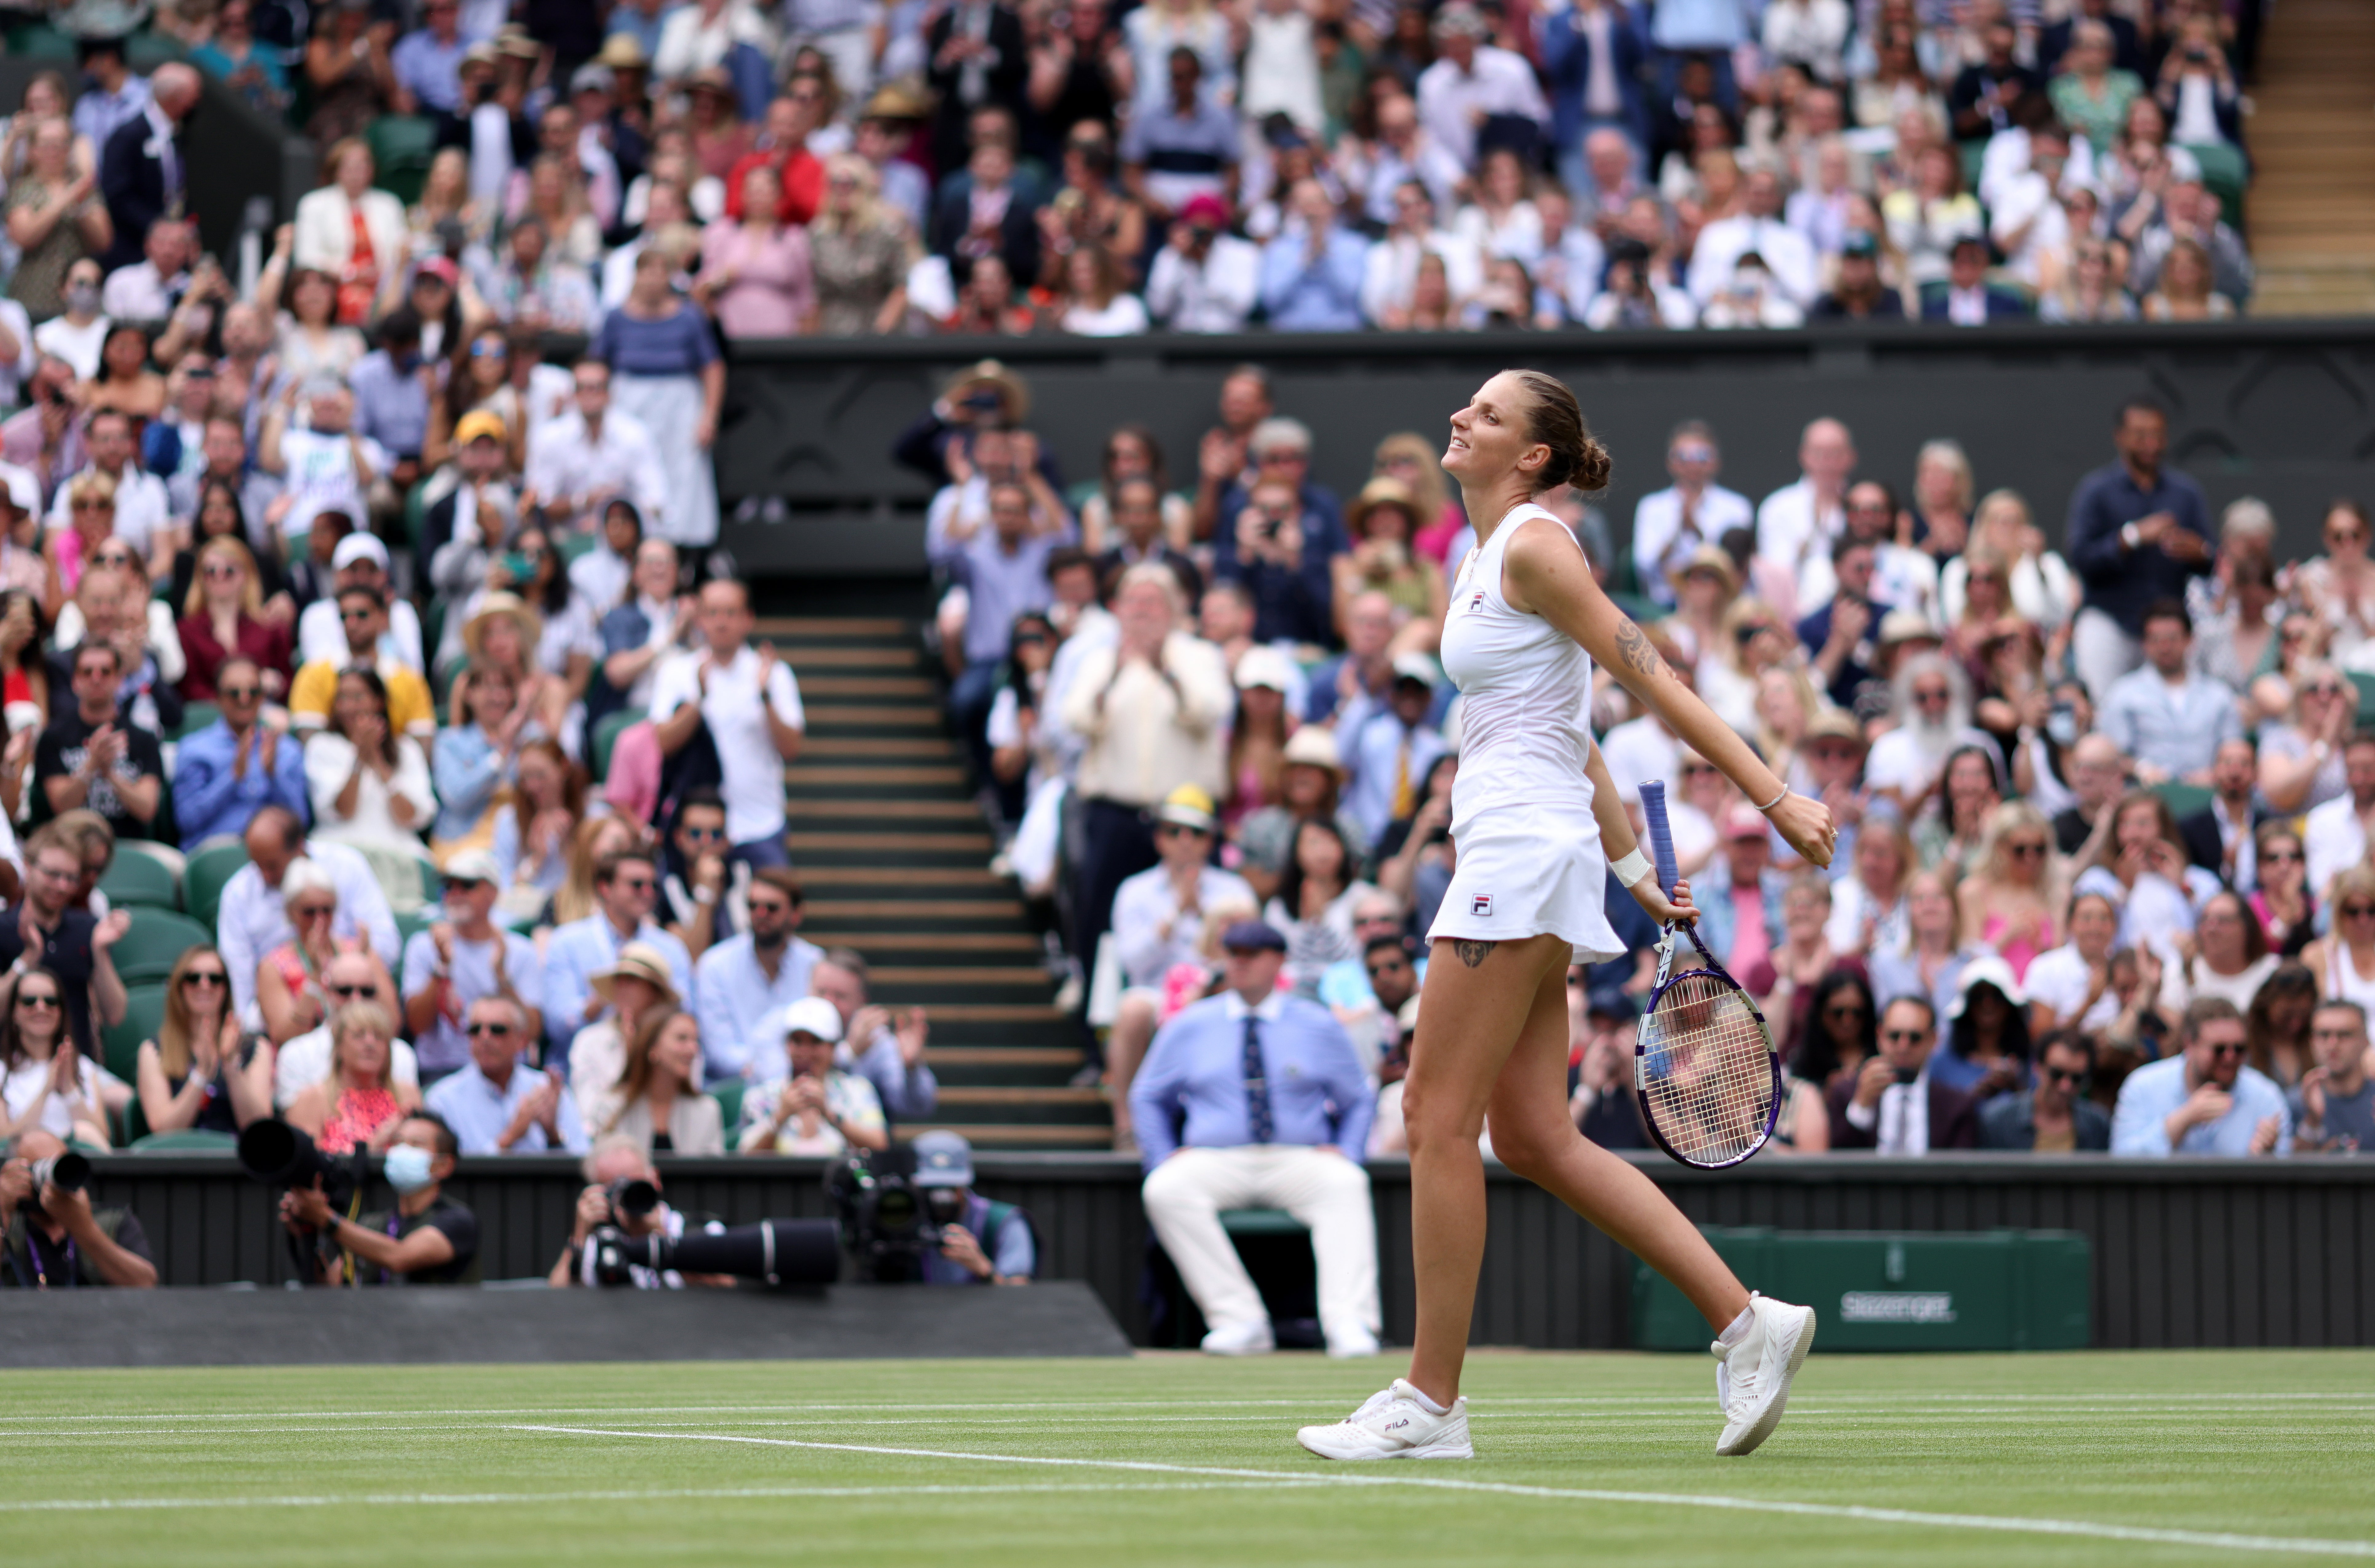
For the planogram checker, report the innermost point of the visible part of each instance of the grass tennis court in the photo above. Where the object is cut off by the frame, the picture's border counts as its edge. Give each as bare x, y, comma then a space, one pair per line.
2188, 1456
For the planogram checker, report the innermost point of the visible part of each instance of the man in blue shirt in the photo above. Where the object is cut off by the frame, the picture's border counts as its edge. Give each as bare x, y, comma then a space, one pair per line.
495, 1105
428, 63
742, 978
1390, 757
2138, 531
1255, 1099
625, 888
2170, 718
233, 768
1311, 270
2204, 1102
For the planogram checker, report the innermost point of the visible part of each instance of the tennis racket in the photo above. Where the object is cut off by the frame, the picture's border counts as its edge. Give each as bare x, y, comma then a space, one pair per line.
1704, 1066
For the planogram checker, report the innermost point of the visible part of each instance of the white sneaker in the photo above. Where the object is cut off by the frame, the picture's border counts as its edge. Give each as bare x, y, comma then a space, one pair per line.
1751, 1378
1241, 1340
1393, 1425
1351, 1347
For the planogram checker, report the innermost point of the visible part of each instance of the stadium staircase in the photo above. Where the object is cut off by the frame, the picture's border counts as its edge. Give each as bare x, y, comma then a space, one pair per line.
894, 861
2312, 138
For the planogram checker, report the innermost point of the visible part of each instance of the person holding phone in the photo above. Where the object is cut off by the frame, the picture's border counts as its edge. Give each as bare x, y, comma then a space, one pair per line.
1892, 1105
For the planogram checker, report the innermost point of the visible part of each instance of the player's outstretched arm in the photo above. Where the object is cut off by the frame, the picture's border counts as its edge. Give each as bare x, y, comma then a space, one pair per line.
1547, 575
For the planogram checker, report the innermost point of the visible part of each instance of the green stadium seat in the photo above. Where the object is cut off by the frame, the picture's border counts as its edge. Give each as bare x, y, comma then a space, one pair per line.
155, 944
205, 876
406, 924
401, 146
187, 1140
144, 52
2225, 173
729, 1095
2366, 684
137, 879
1643, 611
575, 545
39, 42
2184, 799
606, 735
196, 716
1261, 1223
144, 1010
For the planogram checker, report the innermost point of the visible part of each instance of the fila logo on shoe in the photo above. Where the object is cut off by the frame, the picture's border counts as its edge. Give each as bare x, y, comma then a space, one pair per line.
1480, 905
1397, 1426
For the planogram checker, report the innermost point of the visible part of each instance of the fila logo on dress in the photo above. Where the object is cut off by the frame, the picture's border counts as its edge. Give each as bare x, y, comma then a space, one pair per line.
1481, 904
1476, 601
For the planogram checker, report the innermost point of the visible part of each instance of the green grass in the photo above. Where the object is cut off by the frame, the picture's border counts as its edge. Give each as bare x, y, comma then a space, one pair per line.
313, 1467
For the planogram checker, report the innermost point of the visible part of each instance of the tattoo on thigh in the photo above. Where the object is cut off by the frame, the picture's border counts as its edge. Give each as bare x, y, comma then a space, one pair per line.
1473, 954
1634, 648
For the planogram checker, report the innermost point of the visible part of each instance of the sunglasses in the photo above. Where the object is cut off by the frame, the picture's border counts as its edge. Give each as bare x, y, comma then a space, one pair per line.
206, 977
223, 569
2322, 688
1176, 831
2281, 856
2062, 1075
366, 991
2357, 911
356, 617
36, 1000
322, 912
1906, 1036
1844, 1009
2238, 1050
1939, 696
497, 1030
238, 693
635, 884
464, 884
702, 835
769, 907
95, 506
1690, 768
2025, 851
489, 352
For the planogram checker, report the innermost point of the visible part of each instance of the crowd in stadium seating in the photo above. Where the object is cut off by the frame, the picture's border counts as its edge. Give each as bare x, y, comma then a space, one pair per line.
2103, 879
828, 166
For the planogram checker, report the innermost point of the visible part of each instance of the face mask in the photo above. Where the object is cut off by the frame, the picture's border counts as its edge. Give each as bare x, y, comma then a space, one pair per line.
2061, 725
82, 298
407, 1168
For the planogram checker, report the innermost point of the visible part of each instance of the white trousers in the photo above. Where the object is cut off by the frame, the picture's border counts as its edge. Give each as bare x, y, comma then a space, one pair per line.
1329, 1193
2103, 652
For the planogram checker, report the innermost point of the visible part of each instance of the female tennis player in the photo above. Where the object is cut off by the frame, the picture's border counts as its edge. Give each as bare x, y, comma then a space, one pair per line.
1533, 818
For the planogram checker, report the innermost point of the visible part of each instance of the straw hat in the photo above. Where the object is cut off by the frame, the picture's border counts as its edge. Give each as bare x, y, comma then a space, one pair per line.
638, 961
1013, 397
1707, 558
1377, 493
623, 52
500, 606
899, 100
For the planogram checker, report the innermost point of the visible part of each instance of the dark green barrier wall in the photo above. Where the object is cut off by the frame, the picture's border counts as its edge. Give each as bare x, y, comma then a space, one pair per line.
2282, 410
2186, 1252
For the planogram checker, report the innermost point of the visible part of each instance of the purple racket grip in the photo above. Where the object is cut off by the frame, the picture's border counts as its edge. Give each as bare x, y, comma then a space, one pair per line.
1662, 836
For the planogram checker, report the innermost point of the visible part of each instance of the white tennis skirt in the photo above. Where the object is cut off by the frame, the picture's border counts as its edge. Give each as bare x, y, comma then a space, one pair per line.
1523, 872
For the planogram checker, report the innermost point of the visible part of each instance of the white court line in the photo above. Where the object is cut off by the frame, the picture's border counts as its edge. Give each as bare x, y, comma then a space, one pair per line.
2221, 1539
477, 1499
1918, 1398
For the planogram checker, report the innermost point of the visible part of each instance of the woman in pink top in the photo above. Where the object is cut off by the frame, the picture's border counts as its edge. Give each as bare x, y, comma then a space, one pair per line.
755, 277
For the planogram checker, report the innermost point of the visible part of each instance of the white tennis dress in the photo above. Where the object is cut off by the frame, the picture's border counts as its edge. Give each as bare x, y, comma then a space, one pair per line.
1530, 856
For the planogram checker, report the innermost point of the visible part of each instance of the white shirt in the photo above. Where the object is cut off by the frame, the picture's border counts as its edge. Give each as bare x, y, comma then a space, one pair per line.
1391, 271
320, 637
1899, 762
1145, 901
330, 762
319, 474
1214, 297
753, 786
2335, 840
1497, 82
1788, 256
78, 346
136, 293
563, 463
602, 576
1904, 1116
20, 327
2059, 979
141, 506
1661, 543
1902, 577
252, 922
1788, 530
1640, 749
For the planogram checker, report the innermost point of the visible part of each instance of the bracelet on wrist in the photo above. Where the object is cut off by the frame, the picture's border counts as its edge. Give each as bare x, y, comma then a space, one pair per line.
1775, 800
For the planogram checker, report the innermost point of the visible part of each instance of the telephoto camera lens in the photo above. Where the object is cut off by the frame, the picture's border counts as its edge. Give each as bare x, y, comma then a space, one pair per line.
69, 1171
779, 1252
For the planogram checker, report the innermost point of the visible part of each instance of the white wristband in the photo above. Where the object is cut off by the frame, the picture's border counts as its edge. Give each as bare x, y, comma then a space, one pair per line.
1632, 869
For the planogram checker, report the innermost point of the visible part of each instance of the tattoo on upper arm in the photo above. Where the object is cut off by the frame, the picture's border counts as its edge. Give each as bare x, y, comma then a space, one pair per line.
1634, 648
1473, 954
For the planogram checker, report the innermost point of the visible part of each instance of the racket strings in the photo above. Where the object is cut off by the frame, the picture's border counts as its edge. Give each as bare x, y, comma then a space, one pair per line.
1706, 1076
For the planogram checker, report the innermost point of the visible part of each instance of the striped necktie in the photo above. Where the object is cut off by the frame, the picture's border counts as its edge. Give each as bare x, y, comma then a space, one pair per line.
1257, 1117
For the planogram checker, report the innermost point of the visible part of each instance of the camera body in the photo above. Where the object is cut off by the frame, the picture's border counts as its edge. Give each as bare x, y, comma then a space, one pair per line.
69, 1171
632, 1197
279, 1155
888, 1222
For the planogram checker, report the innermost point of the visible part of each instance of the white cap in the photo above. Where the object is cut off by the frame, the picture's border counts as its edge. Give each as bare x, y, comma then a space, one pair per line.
357, 547
472, 865
813, 1015
24, 489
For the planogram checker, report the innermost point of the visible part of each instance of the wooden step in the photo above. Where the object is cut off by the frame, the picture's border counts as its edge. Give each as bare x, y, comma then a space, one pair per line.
899, 877
1001, 1056
877, 745
823, 627
981, 844
869, 686
1004, 976
994, 1012
805, 659
923, 810
931, 942
807, 777
1020, 1096
914, 909
872, 715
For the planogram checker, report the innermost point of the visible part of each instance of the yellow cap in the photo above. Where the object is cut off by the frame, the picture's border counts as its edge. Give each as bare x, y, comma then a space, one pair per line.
1189, 806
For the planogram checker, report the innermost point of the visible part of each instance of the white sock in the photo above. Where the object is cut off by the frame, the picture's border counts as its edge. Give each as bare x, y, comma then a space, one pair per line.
1739, 1328
1429, 1406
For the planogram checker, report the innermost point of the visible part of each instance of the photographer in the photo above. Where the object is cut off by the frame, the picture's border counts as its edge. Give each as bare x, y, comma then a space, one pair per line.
428, 1239
991, 1244
616, 1163
55, 1239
